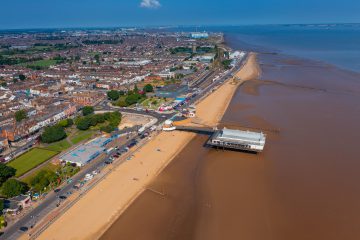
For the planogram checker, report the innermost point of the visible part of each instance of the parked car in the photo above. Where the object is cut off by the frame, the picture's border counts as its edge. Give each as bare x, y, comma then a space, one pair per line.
23, 229
109, 161
88, 177
131, 145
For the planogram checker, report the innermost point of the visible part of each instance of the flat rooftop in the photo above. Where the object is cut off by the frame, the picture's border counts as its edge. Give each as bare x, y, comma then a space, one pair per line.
231, 135
87, 152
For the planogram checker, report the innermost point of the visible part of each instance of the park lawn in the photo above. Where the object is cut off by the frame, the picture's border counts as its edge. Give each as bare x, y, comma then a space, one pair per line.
81, 136
59, 146
31, 159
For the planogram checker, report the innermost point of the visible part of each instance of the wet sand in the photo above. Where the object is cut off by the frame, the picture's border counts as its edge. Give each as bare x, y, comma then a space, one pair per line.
305, 185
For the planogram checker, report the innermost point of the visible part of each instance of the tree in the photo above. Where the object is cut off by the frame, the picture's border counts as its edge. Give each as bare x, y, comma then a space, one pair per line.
136, 89
226, 64
83, 123
66, 123
99, 118
87, 110
132, 99
43, 179
113, 95
121, 103
108, 128
6, 172
13, 187
97, 58
22, 77
70, 122
1, 204
53, 134
148, 88
93, 120
4, 84
20, 115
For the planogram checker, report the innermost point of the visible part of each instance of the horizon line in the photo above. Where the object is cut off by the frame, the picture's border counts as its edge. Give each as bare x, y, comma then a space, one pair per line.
174, 26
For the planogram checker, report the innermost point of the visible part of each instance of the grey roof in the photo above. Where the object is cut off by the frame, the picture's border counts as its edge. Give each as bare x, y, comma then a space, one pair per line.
242, 136
87, 152
19, 198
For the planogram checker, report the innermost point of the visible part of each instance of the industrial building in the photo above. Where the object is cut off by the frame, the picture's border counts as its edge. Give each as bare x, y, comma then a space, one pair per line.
238, 139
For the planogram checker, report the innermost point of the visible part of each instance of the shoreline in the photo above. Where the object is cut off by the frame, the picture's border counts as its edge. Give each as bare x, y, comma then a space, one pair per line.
99, 202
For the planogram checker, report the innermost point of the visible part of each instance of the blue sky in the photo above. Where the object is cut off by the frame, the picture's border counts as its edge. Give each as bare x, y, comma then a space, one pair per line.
107, 13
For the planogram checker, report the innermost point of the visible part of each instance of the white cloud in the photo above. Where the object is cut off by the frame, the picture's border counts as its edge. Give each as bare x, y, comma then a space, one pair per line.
150, 4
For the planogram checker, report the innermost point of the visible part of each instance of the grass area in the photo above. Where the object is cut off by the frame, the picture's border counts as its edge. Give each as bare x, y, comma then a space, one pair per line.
81, 136
31, 159
59, 146
42, 63
153, 103
48, 166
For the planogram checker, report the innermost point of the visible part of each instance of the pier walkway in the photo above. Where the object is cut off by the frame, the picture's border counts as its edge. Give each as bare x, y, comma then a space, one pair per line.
201, 130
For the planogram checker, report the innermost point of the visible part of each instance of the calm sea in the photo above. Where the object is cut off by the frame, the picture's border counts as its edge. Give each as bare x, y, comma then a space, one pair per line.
337, 44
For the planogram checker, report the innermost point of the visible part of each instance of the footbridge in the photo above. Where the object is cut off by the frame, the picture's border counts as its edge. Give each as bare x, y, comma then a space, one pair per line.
201, 130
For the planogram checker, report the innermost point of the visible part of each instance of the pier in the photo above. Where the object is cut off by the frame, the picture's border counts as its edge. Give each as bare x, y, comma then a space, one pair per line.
238, 140
226, 138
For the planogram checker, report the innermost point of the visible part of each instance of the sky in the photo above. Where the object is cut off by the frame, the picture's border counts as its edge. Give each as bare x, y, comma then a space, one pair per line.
117, 13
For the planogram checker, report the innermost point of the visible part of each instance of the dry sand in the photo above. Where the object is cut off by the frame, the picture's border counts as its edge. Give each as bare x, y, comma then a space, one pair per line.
100, 207
131, 120
210, 111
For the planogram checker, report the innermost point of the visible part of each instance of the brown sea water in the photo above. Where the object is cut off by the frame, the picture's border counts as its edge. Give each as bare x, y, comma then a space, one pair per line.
305, 185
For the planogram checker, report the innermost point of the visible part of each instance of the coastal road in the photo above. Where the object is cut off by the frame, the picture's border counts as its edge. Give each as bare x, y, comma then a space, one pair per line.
51, 200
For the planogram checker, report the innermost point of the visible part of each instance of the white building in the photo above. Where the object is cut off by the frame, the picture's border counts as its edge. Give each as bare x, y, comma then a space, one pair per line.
199, 35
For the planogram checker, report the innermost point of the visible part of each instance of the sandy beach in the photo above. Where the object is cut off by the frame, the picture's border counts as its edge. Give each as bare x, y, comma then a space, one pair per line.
210, 111
103, 204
